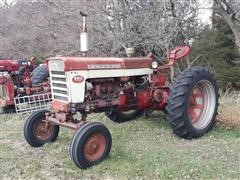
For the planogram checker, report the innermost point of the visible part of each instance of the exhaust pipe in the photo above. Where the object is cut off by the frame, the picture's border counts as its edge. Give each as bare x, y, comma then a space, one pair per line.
84, 36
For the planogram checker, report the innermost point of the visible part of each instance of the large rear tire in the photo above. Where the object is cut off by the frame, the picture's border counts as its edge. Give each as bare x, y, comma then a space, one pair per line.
120, 117
39, 74
193, 103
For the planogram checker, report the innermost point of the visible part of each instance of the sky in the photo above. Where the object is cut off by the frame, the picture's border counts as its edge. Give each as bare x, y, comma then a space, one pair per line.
205, 12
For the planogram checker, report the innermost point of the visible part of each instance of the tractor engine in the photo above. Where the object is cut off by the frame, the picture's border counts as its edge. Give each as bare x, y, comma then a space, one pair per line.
120, 91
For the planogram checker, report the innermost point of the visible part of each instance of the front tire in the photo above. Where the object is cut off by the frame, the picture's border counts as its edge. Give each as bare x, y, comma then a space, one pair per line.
2, 110
35, 131
193, 103
90, 145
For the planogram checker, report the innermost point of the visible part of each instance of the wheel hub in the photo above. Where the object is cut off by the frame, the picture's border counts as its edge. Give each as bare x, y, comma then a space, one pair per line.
42, 131
196, 104
201, 104
94, 147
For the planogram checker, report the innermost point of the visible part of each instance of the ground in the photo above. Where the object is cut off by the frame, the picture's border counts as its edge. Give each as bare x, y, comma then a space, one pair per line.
144, 148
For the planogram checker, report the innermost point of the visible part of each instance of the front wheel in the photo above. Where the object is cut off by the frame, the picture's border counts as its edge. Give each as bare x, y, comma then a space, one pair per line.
193, 102
90, 145
37, 132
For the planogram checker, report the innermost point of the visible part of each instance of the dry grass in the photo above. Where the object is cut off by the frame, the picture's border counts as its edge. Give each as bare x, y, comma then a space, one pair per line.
229, 117
229, 111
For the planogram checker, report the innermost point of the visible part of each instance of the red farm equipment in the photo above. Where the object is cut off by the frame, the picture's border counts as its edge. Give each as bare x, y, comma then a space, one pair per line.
23, 86
122, 88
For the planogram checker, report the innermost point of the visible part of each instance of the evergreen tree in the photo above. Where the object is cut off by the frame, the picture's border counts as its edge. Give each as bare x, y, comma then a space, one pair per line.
216, 45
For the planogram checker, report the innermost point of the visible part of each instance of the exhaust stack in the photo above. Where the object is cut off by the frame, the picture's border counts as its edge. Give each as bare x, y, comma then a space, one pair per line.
84, 36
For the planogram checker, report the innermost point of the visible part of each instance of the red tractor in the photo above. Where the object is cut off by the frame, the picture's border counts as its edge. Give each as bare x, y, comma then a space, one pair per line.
20, 79
122, 88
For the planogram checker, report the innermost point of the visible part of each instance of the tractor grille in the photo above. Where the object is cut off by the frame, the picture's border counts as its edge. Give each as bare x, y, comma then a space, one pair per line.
59, 85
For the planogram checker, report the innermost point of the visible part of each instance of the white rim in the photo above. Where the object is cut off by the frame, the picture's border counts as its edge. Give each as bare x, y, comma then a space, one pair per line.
202, 109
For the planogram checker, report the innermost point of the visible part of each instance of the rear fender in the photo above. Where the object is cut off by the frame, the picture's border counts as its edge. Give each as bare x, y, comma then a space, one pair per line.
177, 53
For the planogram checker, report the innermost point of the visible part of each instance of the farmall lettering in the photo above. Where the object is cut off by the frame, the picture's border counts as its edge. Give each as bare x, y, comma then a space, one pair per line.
122, 88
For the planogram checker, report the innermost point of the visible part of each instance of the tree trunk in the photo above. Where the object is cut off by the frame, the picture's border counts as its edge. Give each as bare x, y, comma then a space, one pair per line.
235, 27
226, 11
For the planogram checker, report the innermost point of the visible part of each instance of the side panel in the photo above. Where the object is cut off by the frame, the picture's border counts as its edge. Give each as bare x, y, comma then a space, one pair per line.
118, 73
76, 90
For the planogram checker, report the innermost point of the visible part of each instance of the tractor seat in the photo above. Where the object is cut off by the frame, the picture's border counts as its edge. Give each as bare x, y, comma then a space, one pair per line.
94, 63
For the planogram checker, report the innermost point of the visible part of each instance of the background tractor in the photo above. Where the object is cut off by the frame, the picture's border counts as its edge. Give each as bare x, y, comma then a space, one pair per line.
19, 81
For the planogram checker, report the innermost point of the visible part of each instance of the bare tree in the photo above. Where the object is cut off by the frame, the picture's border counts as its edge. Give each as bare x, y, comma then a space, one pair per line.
7, 3
141, 24
230, 11
50, 27
43, 27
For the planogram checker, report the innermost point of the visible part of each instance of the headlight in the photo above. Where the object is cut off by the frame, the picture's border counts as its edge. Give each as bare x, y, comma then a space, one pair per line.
154, 64
57, 65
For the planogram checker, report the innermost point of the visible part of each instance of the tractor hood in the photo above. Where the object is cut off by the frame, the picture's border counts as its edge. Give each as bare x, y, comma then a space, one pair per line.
92, 63
9, 65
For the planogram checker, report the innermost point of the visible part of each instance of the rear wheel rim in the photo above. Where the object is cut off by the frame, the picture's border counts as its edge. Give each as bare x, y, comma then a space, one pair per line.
42, 131
201, 104
95, 147
128, 112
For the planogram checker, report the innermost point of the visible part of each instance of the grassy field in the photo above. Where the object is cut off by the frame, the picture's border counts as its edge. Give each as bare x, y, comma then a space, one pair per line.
144, 148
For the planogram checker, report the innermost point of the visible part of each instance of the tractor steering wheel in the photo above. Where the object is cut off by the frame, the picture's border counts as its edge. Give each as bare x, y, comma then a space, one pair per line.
159, 58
